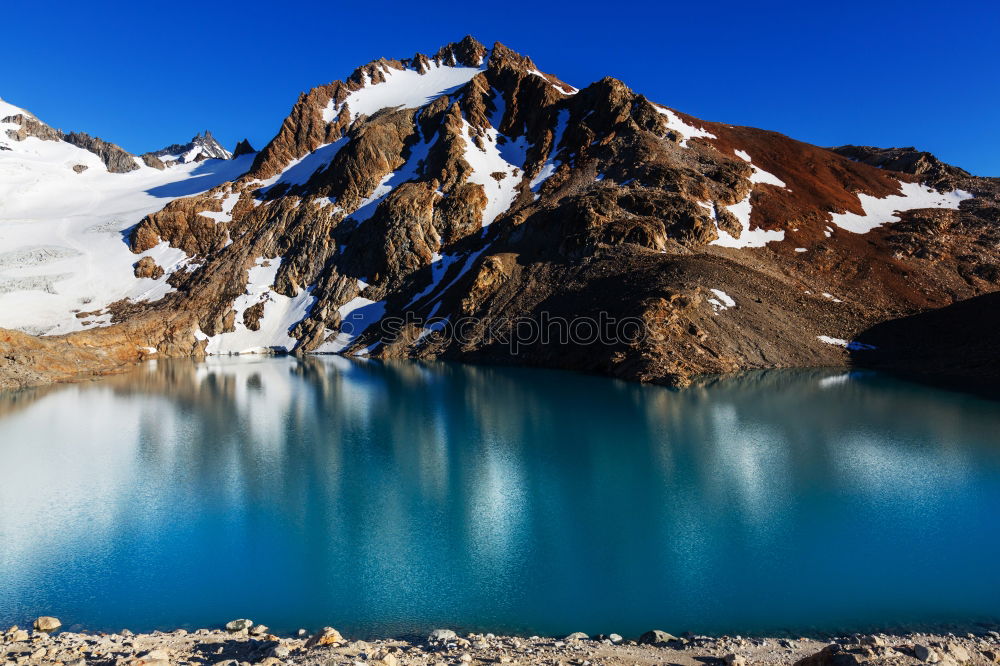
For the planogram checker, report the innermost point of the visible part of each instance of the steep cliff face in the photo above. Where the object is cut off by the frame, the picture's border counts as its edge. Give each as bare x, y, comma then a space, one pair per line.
467, 205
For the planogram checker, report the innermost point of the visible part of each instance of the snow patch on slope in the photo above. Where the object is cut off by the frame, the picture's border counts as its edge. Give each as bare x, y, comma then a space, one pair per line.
439, 269
676, 124
748, 237
847, 344
759, 175
281, 313
355, 317
299, 171
409, 171
565, 89
722, 301
168, 258
551, 164
405, 88
226, 214
882, 211
486, 161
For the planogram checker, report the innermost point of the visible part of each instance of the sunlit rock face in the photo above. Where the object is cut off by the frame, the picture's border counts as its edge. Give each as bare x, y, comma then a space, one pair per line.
472, 186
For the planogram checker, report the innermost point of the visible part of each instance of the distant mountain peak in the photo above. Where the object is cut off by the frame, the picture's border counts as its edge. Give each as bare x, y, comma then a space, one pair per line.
200, 147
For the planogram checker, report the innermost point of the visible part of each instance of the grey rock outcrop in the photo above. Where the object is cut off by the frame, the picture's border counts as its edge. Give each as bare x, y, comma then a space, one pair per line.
30, 126
153, 161
114, 157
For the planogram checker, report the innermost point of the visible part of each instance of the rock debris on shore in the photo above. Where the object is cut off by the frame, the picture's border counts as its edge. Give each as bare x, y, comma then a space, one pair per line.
245, 642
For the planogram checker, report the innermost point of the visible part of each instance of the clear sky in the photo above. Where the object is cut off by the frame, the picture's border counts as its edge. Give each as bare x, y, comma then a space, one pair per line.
146, 74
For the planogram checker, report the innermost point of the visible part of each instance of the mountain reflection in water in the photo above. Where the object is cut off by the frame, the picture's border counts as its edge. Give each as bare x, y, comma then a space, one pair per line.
388, 498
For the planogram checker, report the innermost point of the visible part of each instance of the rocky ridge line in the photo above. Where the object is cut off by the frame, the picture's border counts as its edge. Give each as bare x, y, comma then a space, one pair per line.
114, 157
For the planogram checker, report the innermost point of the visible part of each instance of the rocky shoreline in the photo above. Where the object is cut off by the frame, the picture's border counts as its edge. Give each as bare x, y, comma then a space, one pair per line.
244, 642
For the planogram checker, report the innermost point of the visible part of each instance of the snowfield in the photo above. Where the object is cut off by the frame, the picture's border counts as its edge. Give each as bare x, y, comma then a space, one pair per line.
62, 243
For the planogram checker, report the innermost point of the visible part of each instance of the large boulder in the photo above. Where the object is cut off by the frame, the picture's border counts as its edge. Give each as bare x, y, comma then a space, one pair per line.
832, 655
237, 626
325, 636
442, 636
148, 268
656, 637
926, 654
47, 624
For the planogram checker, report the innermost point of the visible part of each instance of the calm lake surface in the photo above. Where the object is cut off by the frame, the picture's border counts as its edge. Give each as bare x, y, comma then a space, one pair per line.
388, 499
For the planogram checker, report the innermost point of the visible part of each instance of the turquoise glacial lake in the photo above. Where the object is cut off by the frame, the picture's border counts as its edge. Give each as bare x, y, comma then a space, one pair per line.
390, 499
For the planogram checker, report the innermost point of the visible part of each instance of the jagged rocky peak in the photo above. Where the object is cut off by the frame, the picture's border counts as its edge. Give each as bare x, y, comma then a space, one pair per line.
200, 147
243, 148
327, 113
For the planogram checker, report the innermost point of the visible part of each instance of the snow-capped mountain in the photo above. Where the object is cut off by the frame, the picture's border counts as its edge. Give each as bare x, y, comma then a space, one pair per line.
63, 212
201, 147
470, 187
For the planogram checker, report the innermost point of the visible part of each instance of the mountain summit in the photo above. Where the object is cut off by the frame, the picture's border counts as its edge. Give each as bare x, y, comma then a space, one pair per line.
446, 205
200, 147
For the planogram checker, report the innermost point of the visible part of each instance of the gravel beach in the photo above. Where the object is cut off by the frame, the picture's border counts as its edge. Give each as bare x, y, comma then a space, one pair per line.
244, 642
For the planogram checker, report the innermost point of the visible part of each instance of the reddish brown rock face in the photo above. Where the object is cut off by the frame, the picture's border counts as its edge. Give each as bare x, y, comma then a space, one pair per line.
511, 196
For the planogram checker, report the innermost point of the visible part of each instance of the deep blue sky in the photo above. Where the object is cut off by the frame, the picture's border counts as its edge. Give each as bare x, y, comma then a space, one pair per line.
886, 73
